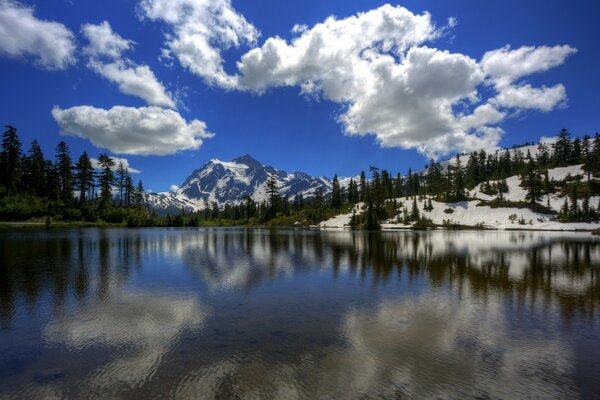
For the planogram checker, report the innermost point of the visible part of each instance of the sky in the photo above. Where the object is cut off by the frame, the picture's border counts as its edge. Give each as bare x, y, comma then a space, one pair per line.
324, 87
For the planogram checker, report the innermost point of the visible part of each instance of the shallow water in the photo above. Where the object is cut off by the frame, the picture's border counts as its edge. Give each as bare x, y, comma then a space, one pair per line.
236, 313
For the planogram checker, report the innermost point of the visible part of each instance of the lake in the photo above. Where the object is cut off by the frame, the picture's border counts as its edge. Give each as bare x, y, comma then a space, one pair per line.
297, 314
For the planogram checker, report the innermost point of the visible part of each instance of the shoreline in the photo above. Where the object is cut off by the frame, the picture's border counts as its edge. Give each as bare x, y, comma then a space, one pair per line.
9, 225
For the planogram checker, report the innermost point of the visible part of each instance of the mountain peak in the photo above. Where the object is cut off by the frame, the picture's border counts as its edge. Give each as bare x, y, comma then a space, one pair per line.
247, 159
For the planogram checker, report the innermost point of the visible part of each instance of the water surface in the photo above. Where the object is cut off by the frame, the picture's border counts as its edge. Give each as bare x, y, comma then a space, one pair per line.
236, 313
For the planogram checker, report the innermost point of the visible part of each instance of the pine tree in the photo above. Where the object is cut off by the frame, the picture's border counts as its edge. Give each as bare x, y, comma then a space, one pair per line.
106, 179
64, 169
587, 157
362, 190
531, 181
52, 188
562, 148
274, 197
414, 214
121, 179
36, 171
336, 193
129, 191
138, 196
84, 177
543, 155
10, 161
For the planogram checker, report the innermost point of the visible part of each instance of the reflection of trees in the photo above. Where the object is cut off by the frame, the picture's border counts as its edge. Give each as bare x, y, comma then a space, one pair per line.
549, 267
62, 263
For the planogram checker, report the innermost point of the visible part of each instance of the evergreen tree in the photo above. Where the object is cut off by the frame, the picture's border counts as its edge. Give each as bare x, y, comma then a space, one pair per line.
531, 181
121, 179
106, 179
64, 169
543, 155
138, 196
129, 191
362, 190
587, 157
84, 177
36, 171
575, 157
336, 193
52, 181
562, 148
10, 161
274, 197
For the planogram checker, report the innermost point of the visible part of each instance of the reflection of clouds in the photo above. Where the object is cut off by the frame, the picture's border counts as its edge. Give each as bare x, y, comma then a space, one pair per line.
427, 347
241, 258
141, 328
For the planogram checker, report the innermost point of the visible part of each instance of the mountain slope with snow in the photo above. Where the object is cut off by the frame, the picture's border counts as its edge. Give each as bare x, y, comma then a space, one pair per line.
231, 181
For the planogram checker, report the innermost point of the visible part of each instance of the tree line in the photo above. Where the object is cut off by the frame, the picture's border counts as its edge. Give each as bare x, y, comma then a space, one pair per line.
33, 186
447, 182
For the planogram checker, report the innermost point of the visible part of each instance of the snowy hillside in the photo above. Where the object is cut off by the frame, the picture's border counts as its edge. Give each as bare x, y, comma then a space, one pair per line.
470, 213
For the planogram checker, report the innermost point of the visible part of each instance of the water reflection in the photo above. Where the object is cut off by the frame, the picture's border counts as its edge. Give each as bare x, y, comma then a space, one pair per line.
138, 328
236, 313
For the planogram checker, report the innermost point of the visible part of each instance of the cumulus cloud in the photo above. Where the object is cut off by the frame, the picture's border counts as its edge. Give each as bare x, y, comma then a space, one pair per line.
105, 53
379, 65
528, 97
103, 42
506, 65
174, 188
49, 44
200, 30
117, 160
130, 130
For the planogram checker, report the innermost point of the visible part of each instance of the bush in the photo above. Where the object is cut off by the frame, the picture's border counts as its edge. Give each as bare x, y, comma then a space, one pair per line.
72, 214
449, 210
115, 215
22, 207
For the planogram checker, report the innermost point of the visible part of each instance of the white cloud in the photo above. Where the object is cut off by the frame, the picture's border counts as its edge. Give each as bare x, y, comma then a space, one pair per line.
174, 188
130, 130
132, 79
505, 65
104, 42
380, 67
135, 80
114, 168
200, 29
50, 44
527, 97
391, 85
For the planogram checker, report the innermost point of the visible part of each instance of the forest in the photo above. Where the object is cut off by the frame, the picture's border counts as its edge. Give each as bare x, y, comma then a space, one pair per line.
34, 188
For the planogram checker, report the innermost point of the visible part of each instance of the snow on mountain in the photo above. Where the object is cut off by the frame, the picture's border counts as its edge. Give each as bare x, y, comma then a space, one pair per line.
231, 181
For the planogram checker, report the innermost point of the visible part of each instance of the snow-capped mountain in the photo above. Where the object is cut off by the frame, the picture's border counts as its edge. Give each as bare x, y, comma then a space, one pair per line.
231, 181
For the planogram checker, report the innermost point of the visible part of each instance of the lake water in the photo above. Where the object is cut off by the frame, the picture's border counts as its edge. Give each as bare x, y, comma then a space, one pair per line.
259, 314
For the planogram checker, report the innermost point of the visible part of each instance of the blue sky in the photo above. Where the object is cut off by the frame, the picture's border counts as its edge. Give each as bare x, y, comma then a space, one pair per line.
335, 103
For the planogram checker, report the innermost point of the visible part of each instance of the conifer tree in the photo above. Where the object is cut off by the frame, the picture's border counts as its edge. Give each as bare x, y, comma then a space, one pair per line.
36, 171
64, 169
362, 190
336, 193
106, 179
531, 181
84, 177
274, 197
121, 179
10, 161
562, 148
139, 194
